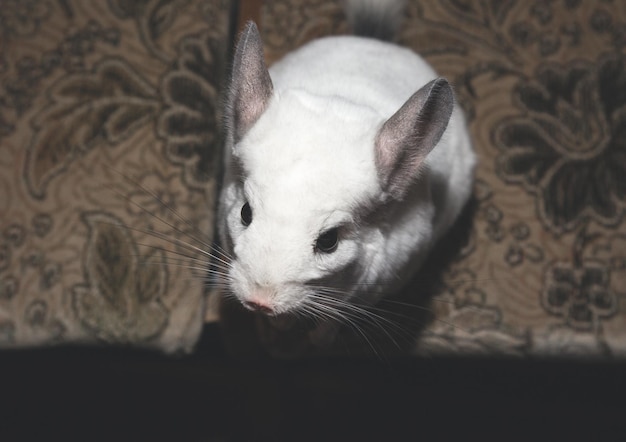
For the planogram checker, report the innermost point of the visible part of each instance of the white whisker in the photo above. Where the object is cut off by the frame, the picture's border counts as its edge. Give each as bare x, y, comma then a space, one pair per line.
173, 211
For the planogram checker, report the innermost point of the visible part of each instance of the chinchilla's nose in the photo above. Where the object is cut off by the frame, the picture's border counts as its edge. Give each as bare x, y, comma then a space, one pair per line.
260, 299
256, 306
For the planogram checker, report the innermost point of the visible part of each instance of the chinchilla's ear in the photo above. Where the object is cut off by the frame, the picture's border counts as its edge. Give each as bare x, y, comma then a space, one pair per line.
405, 139
251, 87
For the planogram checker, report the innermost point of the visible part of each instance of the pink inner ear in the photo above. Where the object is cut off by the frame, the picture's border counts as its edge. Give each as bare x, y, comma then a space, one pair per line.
248, 112
394, 140
398, 163
405, 139
385, 154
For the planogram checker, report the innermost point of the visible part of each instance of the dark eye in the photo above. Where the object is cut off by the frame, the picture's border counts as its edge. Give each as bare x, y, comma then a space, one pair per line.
327, 242
246, 214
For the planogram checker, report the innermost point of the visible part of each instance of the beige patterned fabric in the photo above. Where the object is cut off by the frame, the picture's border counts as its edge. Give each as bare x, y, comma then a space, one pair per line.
108, 133
539, 265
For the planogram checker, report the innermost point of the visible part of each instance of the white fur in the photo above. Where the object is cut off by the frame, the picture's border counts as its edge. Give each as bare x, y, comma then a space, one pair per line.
308, 165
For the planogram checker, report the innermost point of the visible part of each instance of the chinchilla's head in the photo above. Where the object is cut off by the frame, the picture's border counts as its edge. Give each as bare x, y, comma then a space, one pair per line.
304, 174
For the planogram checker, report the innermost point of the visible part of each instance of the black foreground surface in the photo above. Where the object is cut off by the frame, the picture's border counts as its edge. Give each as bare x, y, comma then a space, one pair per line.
93, 394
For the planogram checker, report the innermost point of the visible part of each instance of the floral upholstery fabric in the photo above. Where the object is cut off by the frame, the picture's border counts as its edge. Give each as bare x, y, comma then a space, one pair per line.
109, 137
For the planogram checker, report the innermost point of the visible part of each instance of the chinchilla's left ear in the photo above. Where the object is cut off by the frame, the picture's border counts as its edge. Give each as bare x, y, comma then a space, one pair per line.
405, 139
251, 87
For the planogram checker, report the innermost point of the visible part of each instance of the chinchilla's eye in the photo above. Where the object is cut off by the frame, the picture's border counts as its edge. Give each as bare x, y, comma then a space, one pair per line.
246, 214
328, 241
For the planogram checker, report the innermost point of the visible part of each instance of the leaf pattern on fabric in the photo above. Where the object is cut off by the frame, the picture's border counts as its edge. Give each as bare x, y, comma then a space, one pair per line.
189, 122
153, 18
567, 148
156, 16
480, 13
106, 106
121, 301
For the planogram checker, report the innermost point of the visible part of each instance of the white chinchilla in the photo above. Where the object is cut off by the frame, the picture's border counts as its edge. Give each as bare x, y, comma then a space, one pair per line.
345, 162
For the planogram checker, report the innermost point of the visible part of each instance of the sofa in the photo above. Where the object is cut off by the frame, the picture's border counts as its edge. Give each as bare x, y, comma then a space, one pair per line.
110, 164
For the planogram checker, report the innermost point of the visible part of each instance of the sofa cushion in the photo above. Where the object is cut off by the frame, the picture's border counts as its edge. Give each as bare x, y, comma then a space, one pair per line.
109, 135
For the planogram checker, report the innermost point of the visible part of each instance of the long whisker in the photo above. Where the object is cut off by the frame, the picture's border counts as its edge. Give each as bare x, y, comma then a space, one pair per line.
367, 309
204, 243
187, 258
334, 314
358, 313
163, 204
369, 314
203, 270
170, 240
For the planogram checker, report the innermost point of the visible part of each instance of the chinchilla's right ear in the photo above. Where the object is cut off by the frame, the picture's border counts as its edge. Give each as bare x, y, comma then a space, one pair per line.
251, 87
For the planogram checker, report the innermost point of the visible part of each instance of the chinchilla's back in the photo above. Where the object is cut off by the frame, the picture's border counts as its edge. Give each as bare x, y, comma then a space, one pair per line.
364, 68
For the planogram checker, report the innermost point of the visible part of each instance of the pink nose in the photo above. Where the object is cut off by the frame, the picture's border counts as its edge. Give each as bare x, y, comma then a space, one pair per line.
257, 306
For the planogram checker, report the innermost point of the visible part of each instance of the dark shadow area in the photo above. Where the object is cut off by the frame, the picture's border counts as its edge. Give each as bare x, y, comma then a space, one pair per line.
93, 394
